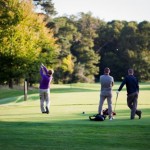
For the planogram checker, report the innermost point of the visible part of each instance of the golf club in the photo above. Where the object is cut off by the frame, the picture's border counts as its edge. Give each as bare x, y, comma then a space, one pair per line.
116, 101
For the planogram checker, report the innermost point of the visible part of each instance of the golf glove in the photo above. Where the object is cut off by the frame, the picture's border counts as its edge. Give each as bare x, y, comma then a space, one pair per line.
42, 65
117, 92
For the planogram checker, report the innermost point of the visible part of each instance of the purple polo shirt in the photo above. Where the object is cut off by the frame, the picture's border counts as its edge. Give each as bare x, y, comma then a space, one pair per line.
46, 79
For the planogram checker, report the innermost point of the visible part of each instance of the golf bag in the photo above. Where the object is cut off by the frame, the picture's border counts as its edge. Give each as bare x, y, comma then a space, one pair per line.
97, 117
105, 112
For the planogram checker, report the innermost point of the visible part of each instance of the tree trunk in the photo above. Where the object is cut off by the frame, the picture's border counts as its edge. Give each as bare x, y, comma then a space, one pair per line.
10, 83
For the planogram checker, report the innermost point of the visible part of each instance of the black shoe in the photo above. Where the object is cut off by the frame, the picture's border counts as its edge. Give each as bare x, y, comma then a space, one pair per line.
44, 112
140, 114
47, 111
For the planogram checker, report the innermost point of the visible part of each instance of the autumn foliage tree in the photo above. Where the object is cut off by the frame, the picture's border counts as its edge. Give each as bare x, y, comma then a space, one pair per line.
23, 40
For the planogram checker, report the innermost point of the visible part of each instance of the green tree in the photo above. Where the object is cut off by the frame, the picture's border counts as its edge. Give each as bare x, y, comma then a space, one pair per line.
142, 53
83, 47
107, 45
134, 41
23, 38
65, 31
45, 6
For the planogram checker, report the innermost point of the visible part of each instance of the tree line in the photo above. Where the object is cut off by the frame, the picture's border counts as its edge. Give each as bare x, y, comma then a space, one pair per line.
77, 47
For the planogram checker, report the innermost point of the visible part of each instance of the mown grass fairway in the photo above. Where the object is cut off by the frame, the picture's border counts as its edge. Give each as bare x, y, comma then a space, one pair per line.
23, 127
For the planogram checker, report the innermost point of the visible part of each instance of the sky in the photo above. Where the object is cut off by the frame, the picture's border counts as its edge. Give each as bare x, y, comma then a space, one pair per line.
107, 10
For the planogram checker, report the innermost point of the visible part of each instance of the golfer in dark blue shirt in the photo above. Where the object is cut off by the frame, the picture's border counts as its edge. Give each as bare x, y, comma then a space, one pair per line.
132, 87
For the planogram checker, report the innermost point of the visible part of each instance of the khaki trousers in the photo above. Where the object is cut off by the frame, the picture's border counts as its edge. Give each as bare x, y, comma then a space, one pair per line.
44, 98
103, 96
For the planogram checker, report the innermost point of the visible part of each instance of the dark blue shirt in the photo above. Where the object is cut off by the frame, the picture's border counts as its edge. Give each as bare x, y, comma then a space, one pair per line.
132, 84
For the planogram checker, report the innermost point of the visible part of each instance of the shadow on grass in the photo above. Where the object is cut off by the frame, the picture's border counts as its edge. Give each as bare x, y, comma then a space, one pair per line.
35, 96
74, 131
18, 99
76, 134
71, 89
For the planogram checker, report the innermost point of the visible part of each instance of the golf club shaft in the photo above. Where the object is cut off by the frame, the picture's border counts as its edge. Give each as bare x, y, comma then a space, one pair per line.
116, 102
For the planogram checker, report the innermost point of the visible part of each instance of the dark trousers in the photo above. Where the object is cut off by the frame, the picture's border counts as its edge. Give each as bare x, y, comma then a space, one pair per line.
132, 100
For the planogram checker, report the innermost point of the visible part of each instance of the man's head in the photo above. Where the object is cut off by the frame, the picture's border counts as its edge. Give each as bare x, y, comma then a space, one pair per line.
50, 72
130, 72
106, 70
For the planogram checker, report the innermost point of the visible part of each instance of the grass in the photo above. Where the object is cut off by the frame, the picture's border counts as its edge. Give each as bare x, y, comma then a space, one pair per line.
23, 127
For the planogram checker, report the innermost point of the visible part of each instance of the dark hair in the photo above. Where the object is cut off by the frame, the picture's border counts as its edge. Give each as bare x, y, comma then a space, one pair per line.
106, 70
130, 71
50, 72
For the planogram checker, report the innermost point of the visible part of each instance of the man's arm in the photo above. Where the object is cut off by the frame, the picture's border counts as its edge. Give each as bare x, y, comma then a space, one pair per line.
45, 69
137, 85
122, 84
41, 71
112, 81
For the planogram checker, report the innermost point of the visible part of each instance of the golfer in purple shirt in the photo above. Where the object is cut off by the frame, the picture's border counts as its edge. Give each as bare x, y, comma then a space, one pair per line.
46, 78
